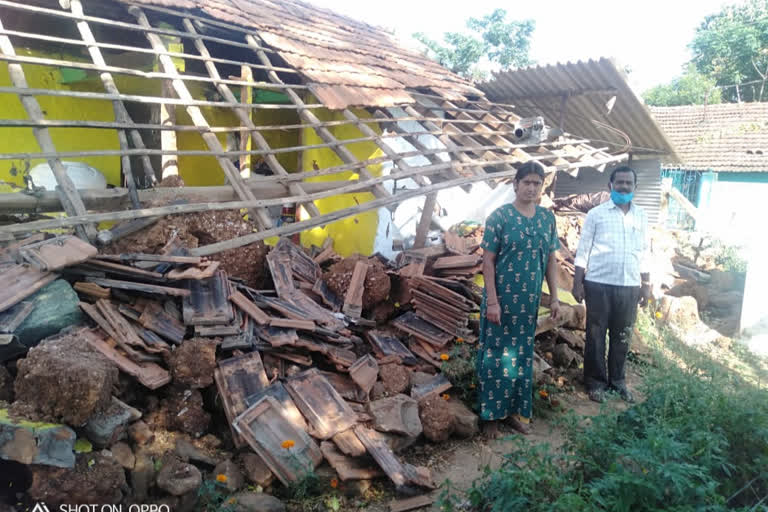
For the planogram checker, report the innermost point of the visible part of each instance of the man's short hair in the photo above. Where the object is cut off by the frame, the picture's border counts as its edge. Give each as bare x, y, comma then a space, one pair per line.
623, 168
530, 167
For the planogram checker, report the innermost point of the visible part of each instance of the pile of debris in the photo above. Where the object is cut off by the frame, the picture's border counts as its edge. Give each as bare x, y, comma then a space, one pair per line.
339, 360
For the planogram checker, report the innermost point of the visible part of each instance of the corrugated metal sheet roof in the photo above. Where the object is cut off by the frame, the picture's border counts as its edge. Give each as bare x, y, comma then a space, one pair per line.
588, 86
731, 137
359, 64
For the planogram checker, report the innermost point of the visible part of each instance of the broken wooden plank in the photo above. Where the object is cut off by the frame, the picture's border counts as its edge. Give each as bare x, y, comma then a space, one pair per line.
384, 457
92, 290
236, 379
385, 344
249, 308
451, 262
349, 444
455, 244
125, 334
149, 375
206, 270
207, 301
299, 359
364, 372
325, 410
159, 258
157, 320
289, 323
123, 270
138, 287
407, 504
349, 468
289, 452
58, 252
353, 300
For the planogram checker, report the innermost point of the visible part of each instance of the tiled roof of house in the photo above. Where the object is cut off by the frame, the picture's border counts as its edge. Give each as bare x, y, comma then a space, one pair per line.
731, 137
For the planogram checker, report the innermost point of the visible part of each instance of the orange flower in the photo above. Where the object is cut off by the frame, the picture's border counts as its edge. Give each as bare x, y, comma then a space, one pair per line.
221, 478
288, 443
459, 340
445, 357
232, 501
543, 393
334, 483
446, 396
472, 385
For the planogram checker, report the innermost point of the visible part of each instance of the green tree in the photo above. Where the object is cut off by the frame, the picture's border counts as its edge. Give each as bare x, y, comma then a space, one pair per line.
506, 43
692, 88
732, 47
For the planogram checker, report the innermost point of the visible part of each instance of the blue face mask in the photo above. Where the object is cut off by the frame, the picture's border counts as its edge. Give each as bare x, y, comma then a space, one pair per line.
619, 198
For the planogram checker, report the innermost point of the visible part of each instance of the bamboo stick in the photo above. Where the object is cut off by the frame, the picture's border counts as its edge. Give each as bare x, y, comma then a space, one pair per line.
274, 164
260, 215
307, 116
72, 203
121, 114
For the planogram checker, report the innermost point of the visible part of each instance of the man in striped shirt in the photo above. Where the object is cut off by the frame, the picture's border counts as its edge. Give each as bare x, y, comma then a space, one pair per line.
612, 276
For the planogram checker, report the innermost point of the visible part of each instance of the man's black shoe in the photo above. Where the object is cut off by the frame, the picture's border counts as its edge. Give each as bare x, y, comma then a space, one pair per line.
597, 395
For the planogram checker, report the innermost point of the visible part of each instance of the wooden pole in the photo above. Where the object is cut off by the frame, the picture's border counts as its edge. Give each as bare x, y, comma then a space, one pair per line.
72, 203
426, 220
274, 164
245, 139
169, 162
261, 216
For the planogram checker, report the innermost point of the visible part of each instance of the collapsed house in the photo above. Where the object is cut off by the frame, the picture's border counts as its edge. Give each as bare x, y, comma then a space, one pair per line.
178, 136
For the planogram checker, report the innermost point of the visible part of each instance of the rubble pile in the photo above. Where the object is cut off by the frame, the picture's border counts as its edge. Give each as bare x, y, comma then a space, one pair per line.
177, 374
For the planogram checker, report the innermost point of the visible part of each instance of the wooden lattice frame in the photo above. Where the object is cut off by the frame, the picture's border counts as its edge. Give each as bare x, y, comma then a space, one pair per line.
476, 134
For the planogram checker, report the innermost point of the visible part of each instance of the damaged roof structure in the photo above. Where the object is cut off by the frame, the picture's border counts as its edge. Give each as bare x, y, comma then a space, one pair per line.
175, 80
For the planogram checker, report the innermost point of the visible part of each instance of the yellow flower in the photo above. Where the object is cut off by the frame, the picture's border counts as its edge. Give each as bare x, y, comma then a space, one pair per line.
288, 443
658, 314
445, 357
334, 483
543, 393
446, 396
397, 304
221, 478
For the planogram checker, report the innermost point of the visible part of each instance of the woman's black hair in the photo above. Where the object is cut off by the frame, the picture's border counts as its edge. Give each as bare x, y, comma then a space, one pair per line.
531, 167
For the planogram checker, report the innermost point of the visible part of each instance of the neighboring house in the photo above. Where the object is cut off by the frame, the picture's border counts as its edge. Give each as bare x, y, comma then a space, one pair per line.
723, 151
591, 100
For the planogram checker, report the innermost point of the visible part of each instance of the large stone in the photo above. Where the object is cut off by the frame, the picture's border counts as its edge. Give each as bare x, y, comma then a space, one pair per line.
398, 414
256, 471
56, 307
32, 442
107, 427
420, 379
234, 480
436, 419
189, 452
123, 454
96, 478
193, 362
178, 478
563, 356
63, 379
140, 433
466, 422
395, 378
142, 476
184, 412
256, 502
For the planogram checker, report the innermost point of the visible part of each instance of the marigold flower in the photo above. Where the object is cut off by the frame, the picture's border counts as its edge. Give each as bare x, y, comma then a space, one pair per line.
232, 501
334, 483
543, 393
658, 314
288, 443
459, 340
221, 478
446, 396
472, 385
445, 357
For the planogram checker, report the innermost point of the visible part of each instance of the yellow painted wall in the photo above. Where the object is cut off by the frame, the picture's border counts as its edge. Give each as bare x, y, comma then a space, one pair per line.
354, 234
20, 140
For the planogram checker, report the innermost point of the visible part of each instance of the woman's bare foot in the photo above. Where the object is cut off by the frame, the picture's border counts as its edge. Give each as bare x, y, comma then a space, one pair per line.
491, 429
519, 426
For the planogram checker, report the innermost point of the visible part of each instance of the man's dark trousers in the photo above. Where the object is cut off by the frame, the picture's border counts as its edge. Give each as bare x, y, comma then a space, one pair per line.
610, 309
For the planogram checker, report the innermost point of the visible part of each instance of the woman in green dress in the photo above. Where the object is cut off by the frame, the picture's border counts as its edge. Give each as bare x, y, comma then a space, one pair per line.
519, 250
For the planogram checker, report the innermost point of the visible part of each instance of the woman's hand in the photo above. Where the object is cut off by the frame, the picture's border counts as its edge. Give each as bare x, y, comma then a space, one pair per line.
493, 313
554, 310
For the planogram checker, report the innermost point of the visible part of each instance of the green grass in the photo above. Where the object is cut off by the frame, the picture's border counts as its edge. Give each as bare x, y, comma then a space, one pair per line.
698, 443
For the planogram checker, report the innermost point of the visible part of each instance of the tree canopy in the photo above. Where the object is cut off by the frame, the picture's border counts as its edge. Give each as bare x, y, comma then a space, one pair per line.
692, 88
492, 37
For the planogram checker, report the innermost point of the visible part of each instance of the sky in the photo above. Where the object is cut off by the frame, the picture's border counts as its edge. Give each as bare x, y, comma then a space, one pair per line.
649, 37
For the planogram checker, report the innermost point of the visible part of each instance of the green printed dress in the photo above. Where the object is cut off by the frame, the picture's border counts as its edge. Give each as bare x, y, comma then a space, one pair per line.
505, 352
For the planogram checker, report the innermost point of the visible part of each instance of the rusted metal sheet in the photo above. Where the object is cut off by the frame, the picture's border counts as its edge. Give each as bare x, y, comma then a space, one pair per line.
21, 281
289, 452
58, 252
325, 410
208, 301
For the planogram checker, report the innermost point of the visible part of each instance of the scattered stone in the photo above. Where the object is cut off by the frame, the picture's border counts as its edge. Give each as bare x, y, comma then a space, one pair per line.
256, 502
193, 362
107, 427
436, 419
123, 454
378, 391
398, 414
65, 380
563, 356
467, 423
189, 452
395, 378
96, 478
417, 379
184, 412
234, 477
31, 442
256, 471
177, 477
140, 433
398, 443
56, 307
142, 476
